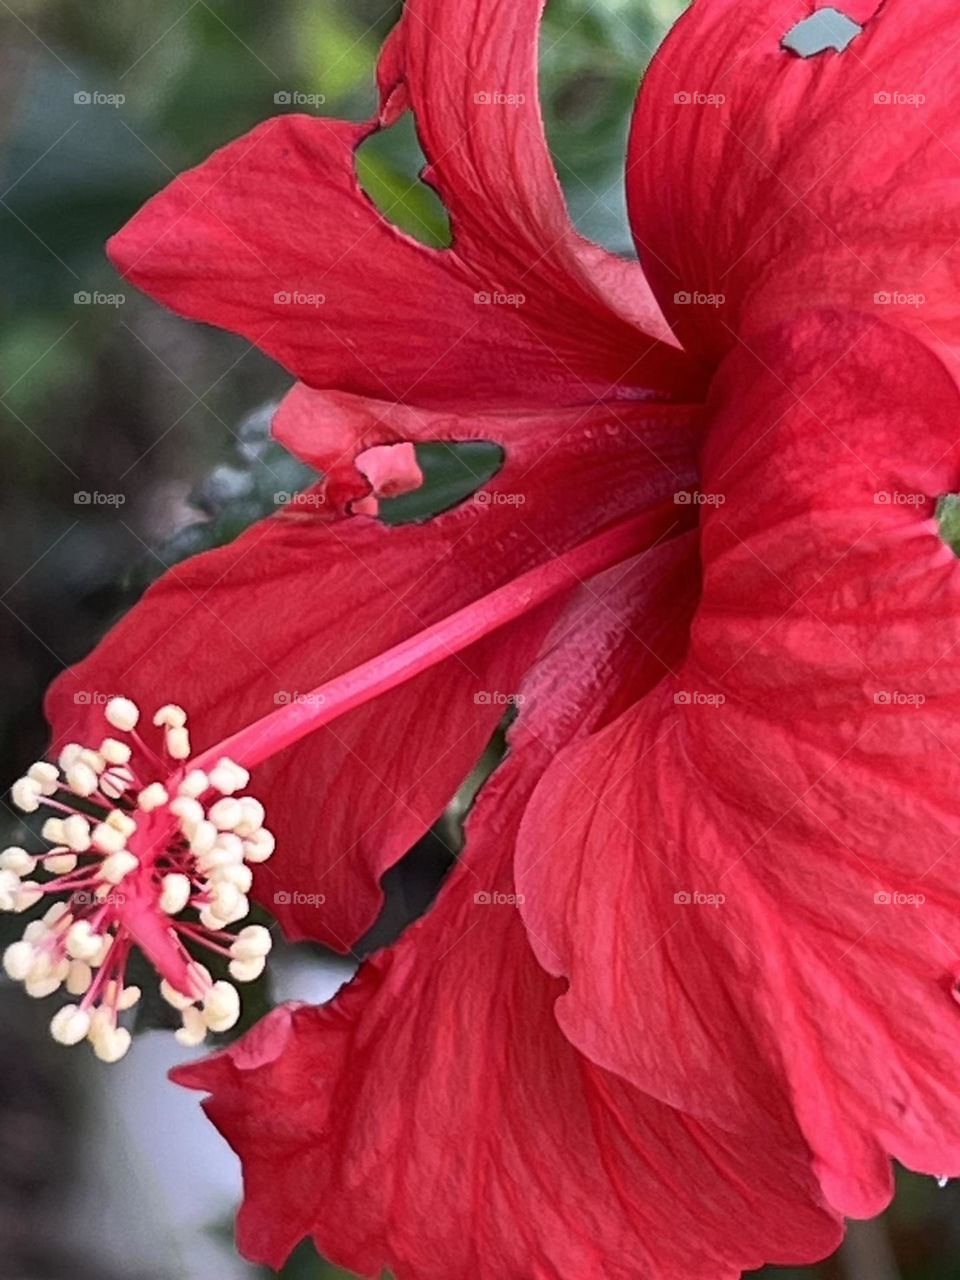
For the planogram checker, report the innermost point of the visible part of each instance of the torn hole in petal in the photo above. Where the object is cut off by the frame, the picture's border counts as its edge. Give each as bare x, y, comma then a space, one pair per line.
390, 171
948, 518
392, 469
824, 30
453, 472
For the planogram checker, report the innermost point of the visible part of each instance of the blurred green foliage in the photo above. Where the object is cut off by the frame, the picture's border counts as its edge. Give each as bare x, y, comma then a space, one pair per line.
130, 400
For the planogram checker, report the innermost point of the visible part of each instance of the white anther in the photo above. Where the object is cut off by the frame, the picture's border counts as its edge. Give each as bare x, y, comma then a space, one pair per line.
45, 775
76, 833
121, 822
152, 797
225, 814
210, 920
234, 873
251, 943
221, 1006
42, 967
111, 1044
107, 839
106, 943
35, 932
40, 988
204, 837
194, 784
228, 904
81, 942
247, 970
170, 716
174, 997
259, 846
103, 1019
79, 977
28, 895
52, 830
227, 850
228, 777
122, 714
81, 779
54, 914
70, 1025
18, 960
194, 1029
240, 911
116, 781
252, 816
226, 899
213, 860
231, 845
26, 794
189, 811
175, 893
60, 863
93, 760
177, 742
18, 861
69, 755
128, 997
9, 888
118, 866
115, 752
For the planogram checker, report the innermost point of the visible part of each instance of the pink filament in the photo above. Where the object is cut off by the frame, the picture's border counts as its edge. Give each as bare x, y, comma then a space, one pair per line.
279, 729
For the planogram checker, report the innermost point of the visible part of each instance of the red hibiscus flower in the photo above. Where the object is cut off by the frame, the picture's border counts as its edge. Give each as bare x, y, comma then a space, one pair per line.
690, 987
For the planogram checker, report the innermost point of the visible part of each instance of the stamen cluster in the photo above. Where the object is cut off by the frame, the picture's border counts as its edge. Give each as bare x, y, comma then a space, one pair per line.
136, 861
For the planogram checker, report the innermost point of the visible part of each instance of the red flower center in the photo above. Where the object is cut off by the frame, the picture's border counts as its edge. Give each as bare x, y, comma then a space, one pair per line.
131, 853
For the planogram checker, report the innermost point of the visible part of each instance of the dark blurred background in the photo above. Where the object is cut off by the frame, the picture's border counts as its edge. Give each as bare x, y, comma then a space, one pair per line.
102, 393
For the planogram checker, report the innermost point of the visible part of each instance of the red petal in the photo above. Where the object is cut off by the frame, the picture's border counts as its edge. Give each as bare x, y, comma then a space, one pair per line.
273, 238
331, 430
432, 1120
802, 760
837, 186
470, 74
392, 469
303, 597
